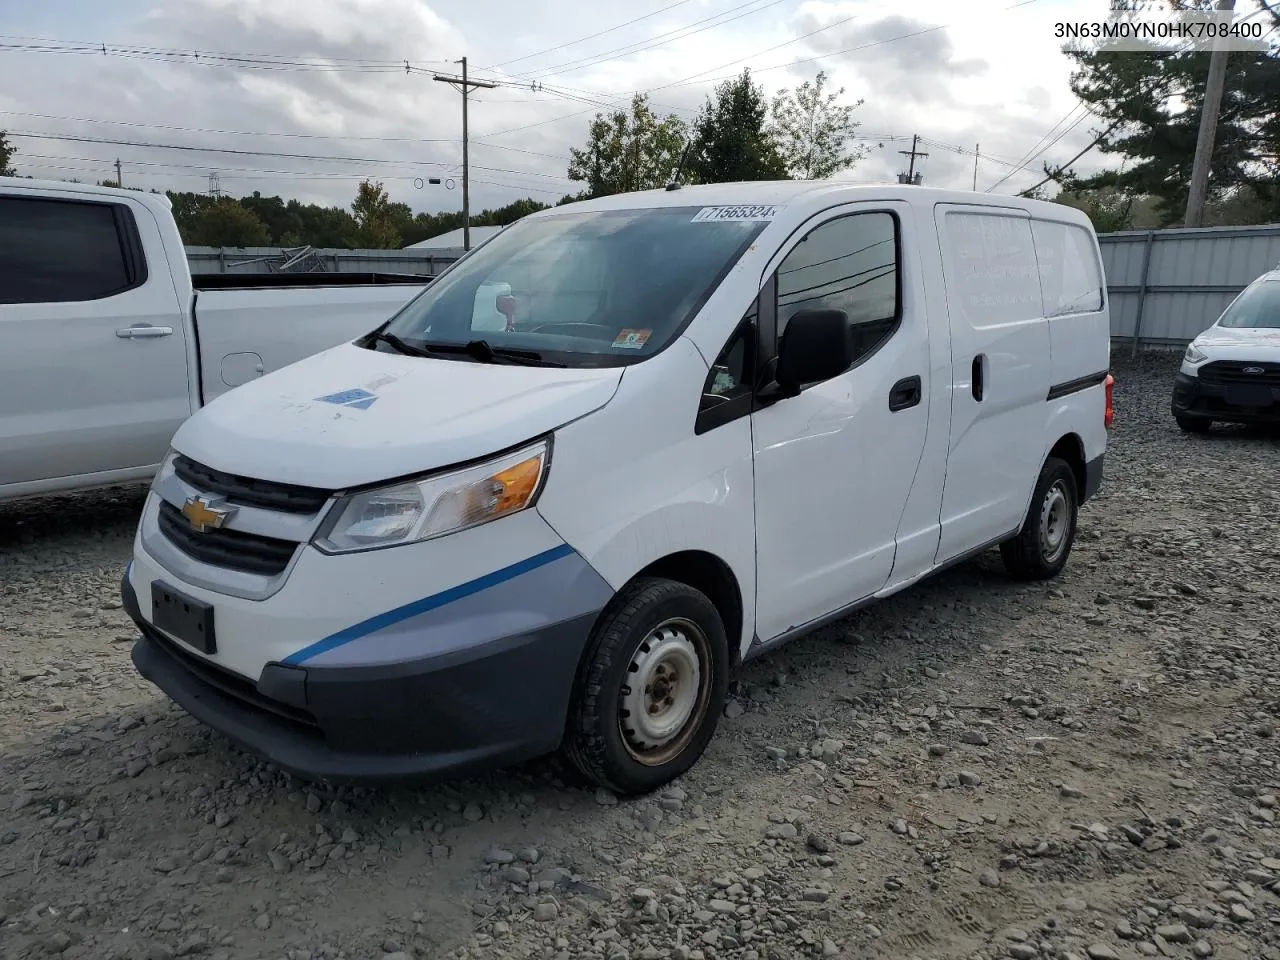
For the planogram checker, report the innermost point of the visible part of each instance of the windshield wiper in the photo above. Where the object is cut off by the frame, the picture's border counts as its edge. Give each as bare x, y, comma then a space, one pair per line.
483, 351
400, 346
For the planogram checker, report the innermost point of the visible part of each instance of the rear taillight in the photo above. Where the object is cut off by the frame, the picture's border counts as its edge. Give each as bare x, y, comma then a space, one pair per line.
1110, 415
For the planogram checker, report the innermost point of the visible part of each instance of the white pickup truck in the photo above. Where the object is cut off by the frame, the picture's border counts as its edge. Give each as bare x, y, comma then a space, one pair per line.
107, 343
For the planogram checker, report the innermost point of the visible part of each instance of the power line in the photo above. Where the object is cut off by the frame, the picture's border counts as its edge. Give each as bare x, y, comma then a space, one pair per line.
263, 153
601, 33
1022, 165
274, 133
619, 98
660, 40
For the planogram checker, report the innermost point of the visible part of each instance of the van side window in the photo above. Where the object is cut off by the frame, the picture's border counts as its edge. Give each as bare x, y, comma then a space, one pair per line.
62, 251
848, 264
1070, 276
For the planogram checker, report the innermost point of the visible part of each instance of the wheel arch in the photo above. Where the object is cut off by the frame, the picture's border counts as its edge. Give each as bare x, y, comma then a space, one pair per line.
1070, 449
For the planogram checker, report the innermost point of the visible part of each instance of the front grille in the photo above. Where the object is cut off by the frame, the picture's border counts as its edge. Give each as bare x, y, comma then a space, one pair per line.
1233, 372
285, 497
233, 549
231, 684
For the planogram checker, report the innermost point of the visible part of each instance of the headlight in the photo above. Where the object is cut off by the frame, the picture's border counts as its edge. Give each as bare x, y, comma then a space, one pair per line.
438, 505
1195, 355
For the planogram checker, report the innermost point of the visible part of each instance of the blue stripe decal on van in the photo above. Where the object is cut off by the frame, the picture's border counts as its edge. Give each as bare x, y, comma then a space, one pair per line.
436, 600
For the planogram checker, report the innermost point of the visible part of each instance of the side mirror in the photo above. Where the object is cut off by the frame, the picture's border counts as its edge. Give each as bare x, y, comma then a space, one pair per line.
816, 345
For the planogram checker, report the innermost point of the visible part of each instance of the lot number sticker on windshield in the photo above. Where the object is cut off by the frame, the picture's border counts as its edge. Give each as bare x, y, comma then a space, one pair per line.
631, 339
734, 214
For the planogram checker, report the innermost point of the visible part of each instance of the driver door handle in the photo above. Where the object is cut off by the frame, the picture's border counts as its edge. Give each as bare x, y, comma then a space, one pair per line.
905, 393
142, 331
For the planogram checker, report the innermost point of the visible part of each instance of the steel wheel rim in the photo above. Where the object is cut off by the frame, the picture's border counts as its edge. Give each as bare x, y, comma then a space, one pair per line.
1055, 521
665, 692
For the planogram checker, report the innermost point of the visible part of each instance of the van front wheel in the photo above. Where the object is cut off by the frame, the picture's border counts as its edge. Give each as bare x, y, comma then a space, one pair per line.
1040, 550
650, 688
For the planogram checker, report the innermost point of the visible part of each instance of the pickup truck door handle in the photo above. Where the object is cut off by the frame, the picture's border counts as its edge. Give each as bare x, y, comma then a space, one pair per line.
140, 331
978, 363
905, 393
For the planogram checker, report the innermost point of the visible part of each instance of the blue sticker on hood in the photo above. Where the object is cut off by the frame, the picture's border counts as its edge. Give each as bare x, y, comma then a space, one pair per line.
356, 397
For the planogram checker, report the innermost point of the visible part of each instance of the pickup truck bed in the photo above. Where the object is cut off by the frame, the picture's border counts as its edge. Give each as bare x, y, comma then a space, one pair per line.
107, 343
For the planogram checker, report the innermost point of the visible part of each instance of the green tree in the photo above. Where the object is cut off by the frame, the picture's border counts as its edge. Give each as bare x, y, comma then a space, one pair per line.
731, 138
225, 223
1108, 209
7, 150
629, 150
375, 218
813, 130
1149, 109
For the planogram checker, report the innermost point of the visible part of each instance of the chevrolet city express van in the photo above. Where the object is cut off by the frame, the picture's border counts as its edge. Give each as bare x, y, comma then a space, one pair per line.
713, 418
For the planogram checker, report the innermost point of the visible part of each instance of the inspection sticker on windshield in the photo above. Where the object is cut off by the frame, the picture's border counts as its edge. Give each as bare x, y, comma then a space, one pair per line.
734, 214
631, 339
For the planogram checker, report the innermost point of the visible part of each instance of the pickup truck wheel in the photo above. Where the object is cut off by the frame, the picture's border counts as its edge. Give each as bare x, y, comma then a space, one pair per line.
1194, 424
1040, 550
650, 688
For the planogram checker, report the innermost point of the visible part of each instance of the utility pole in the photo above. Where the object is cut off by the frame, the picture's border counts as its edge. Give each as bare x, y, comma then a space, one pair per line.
911, 176
465, 85
976, 148
119, 178
1199, 188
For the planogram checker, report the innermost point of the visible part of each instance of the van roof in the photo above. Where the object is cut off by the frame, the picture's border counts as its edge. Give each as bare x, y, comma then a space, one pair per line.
817, 193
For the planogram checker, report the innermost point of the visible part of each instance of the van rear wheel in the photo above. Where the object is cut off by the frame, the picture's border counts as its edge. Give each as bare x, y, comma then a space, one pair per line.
650, 689
1040, 550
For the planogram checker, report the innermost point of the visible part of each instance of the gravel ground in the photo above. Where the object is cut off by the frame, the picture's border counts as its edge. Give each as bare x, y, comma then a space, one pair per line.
973, 769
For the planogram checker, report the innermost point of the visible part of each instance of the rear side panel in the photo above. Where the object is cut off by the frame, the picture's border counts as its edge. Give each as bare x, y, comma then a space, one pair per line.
1000, 358
1075, 301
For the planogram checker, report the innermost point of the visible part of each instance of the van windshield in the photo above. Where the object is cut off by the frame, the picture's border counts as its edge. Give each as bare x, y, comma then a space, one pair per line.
580, 289
1258, 307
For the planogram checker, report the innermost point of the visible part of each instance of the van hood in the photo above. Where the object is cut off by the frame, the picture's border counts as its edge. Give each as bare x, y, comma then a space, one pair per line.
1260, 344
350, 416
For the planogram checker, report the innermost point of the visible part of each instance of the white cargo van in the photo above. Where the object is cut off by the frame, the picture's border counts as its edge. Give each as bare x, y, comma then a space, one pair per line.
714, 418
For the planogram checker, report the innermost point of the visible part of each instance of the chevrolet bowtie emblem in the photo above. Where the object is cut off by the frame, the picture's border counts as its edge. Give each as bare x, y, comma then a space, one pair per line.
204, 515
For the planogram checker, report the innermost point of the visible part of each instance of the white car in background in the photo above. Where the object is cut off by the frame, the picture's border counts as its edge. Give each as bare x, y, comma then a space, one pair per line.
1231, 372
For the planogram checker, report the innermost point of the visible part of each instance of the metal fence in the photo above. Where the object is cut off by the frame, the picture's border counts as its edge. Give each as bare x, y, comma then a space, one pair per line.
240, 260
1167, 286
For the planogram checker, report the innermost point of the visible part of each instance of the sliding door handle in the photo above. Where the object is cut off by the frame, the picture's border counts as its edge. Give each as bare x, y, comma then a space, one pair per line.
977, 385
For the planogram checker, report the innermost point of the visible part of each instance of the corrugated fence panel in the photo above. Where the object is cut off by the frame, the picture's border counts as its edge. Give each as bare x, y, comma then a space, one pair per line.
250, 260
1190, 278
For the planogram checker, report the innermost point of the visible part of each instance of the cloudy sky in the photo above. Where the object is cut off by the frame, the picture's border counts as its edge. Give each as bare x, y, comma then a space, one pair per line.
305, 97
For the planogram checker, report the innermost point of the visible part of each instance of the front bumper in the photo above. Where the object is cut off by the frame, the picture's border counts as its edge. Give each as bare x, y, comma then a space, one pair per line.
447, 716
1193, 398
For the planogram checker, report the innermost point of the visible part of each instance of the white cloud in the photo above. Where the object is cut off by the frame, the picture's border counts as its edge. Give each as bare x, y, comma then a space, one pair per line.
986, 75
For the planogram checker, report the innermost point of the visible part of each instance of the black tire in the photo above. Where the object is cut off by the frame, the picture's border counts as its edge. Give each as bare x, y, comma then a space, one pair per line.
595, 741
1036, 553
1194, 424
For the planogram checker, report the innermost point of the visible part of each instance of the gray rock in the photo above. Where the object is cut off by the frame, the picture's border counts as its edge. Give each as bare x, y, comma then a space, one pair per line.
1241, 914
970, 779
733, 710
815, 895
850, 839
1070, 792
499, 856
722, 906
782, 831
472, 813
606, 798
529, 854
818, 844
1202, 948
1174, 933
545, 912
938, 749
1102, 951
989, 878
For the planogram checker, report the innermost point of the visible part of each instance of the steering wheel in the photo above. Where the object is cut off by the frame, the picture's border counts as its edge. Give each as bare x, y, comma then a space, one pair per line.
568, 328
